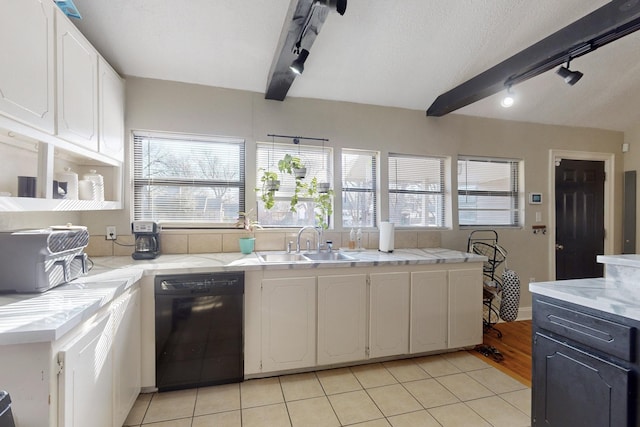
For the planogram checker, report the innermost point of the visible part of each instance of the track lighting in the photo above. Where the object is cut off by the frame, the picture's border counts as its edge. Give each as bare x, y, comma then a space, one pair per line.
570, 77
339, 6
508, 99
297, 66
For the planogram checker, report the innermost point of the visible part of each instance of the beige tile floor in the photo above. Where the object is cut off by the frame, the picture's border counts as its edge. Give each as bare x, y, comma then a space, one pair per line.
455, 389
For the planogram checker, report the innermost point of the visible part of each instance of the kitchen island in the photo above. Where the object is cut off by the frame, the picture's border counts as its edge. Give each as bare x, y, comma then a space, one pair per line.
586, 348
92, 340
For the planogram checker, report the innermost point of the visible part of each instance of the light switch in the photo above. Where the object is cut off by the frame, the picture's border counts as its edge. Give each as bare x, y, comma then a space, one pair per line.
538, 216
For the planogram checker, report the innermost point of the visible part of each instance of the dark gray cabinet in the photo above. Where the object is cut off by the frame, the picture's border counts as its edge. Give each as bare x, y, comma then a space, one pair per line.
584, 367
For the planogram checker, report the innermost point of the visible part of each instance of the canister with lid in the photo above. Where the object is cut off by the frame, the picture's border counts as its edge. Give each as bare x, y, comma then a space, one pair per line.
71, 178
99, 184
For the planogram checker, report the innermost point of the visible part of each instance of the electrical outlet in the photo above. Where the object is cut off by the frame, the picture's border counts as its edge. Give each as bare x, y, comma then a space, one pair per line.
111, 233
532, 279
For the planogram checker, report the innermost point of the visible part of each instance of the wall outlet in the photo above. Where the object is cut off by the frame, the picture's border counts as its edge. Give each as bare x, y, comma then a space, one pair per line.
532, 279
111, 233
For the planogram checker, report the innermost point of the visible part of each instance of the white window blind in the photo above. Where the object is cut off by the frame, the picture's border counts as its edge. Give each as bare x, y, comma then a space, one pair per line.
359, 188
416, 191
316, 159
488, 192
188, 179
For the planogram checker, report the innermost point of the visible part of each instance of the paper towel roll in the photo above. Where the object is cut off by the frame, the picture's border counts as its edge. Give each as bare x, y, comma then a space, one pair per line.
386, 236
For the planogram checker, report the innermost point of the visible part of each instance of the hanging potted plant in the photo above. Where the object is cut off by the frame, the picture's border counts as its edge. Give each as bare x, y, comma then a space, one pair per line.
322, 197
293, 166
249, 222
270, 184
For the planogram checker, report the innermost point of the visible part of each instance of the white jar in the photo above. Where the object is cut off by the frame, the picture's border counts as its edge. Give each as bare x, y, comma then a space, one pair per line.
99, 184
87, 190
71, 178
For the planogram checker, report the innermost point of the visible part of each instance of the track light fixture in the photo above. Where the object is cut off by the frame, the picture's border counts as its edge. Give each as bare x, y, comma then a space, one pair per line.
508, 99
570, 77
339, 6
297, 66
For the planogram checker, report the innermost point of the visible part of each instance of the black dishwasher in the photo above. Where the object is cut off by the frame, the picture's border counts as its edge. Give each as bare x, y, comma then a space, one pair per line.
199, 319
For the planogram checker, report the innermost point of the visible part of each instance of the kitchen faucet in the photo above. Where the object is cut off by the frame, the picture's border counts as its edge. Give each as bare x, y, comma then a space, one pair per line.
318, 231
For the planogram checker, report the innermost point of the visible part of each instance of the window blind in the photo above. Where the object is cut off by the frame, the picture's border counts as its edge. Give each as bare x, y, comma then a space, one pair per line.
359, 197
488, 192
416, 191
183, 178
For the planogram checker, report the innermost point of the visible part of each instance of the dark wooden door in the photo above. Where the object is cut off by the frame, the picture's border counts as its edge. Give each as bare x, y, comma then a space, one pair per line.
579, 218
574, 388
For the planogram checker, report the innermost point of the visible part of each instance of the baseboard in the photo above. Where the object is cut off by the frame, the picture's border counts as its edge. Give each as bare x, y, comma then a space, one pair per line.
525, 313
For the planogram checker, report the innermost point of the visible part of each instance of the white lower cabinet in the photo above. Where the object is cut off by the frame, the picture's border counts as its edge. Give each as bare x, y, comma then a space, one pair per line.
85, 383
429, 311
89, 377
389, 314
303, 319
126, 355
465, 308
288, 323
342, 318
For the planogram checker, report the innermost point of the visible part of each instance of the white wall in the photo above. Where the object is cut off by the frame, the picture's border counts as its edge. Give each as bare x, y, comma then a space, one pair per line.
171, 106
632, 163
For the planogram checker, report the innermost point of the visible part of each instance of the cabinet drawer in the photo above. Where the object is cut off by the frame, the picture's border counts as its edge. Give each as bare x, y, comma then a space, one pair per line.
607, 336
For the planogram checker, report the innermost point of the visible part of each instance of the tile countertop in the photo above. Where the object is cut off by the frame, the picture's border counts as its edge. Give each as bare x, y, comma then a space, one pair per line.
610, 295
30, 318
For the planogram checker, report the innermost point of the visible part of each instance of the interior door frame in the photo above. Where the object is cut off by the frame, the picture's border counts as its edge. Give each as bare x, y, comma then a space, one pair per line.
609, 188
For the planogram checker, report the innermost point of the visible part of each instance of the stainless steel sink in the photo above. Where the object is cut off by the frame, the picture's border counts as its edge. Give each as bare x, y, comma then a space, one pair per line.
328, 256
280, 257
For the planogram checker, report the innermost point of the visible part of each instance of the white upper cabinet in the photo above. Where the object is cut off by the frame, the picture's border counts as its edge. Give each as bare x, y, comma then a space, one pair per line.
27, 71
77, 82
111, 109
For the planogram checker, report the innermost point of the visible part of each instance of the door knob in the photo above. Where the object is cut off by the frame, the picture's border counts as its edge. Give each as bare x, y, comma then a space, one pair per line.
559, 247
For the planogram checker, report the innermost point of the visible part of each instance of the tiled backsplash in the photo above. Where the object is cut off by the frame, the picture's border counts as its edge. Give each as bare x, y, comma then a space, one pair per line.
211, 241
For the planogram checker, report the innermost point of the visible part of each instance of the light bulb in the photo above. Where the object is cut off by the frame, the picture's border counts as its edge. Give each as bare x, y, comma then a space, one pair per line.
507, 101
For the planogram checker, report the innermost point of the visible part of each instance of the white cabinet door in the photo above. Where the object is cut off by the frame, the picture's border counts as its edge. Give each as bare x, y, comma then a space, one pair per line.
85, 383
465, 308
428, 311
288, 323
111, 98
126, 354
389, 318
27, 71
77, 84
342, 318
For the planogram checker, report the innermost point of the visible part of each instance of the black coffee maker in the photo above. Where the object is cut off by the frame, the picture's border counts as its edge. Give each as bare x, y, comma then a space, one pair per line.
147, 239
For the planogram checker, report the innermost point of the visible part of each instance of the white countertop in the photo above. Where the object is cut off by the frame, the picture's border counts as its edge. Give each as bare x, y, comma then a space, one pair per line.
609, 295
29, 318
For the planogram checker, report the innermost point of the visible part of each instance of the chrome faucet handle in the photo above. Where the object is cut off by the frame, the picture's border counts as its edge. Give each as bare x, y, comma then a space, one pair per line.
329, 245
308, 245
289, 246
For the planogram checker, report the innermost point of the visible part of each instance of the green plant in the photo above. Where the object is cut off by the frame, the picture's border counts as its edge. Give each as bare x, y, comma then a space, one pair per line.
292, 165
270, 184
248, 221
289, 163
323, 203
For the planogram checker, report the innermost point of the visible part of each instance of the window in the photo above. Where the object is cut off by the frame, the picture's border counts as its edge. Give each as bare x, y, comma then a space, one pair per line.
187, 178
316, 160
488, 192
416, 191
358, 188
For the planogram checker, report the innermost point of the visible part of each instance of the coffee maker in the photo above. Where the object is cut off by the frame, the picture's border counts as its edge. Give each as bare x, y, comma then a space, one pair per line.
147, 239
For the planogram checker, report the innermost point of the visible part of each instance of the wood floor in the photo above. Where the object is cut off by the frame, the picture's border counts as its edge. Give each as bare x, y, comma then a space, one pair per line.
515, 346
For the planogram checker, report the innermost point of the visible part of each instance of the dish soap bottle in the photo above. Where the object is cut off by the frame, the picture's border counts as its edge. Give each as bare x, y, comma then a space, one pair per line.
352, 239
359, 239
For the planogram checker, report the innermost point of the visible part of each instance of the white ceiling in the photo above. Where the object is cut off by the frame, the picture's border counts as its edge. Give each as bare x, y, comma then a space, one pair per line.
381, 52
